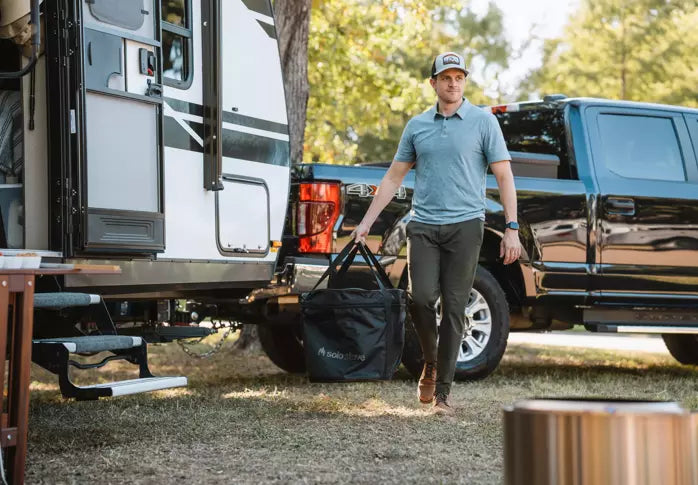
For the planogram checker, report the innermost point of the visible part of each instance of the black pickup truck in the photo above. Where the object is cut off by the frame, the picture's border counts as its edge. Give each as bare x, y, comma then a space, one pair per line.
608, 209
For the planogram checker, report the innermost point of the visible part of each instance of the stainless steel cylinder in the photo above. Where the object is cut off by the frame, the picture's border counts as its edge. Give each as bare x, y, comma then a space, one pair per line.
578, 442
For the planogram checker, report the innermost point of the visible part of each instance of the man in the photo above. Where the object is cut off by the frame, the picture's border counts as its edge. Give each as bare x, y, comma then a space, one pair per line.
451, 144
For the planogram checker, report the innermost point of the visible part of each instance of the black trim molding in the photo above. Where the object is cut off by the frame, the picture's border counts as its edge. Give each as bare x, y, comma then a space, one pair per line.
212, 80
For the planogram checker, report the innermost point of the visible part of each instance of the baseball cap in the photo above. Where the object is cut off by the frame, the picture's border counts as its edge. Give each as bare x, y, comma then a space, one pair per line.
448, 60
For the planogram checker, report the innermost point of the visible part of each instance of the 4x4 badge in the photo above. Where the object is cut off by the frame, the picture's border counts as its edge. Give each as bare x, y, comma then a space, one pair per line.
367, 190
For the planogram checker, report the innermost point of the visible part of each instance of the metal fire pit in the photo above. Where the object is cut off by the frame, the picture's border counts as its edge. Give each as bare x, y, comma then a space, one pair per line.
586, 442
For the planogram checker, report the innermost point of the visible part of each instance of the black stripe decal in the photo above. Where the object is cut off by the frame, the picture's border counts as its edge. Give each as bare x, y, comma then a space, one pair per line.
259, 6
198, 128
236, 144
255, 148
185, 107
177, 137
269, 29
229, 117
250, 122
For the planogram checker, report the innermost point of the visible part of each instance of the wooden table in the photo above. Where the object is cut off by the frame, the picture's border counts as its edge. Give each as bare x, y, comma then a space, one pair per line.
17, 290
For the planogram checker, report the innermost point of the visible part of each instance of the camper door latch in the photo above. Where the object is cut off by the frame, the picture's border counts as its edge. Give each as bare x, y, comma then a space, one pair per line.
147, 62
154, 90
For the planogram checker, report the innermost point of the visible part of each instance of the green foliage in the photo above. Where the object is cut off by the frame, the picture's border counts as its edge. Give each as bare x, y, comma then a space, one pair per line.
368, 68
641, 50
369, 61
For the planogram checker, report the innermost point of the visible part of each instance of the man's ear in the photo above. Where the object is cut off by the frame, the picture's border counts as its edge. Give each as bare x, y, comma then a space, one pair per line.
432, 81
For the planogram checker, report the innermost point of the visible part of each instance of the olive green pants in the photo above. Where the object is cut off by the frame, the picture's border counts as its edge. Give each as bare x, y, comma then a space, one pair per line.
442, 260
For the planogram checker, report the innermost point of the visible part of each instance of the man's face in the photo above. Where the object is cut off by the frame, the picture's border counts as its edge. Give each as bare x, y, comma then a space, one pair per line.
449, 85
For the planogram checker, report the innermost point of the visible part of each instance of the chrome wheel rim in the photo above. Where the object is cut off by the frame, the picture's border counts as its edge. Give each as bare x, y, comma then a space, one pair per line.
477, 329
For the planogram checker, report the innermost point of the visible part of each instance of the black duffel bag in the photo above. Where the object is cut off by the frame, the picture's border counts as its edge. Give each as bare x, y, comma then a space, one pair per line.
353, 334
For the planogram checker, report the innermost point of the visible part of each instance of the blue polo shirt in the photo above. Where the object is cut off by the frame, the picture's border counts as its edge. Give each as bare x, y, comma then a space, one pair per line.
451, 155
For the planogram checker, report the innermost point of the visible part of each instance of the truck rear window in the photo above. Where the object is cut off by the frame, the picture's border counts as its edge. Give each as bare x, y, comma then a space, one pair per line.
537, 132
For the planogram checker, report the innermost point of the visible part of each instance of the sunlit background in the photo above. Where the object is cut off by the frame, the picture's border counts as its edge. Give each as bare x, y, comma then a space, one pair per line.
369, 60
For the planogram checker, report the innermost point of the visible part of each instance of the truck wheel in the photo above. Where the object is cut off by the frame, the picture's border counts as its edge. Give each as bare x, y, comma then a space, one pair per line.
284, 346
487, 330
683, 347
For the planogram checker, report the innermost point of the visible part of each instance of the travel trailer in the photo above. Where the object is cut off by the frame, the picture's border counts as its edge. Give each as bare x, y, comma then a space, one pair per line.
148, 134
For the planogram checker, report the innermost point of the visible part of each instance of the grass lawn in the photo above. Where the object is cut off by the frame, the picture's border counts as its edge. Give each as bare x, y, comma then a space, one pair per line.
241, 420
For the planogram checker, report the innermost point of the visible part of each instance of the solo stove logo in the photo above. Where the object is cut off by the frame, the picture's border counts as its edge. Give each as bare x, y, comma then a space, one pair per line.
339, 355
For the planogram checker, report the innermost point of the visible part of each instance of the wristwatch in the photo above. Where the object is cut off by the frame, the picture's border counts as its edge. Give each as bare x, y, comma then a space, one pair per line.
512, 225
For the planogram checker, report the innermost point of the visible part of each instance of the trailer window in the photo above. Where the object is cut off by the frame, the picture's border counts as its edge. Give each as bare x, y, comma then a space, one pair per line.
177, 59
128, 14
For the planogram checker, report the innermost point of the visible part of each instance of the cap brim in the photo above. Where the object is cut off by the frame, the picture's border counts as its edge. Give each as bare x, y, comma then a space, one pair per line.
446, 68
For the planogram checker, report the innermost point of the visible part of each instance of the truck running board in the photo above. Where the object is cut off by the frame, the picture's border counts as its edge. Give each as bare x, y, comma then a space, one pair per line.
642, 329
651, 317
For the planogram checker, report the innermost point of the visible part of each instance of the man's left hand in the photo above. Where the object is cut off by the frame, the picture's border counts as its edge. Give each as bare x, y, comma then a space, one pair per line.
510, 249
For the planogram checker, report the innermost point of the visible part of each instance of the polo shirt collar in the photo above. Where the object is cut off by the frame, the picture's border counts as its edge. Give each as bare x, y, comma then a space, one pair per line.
464, 107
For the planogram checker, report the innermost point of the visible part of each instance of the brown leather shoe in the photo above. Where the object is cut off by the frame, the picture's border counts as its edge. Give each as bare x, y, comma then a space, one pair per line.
427, 383
441, 406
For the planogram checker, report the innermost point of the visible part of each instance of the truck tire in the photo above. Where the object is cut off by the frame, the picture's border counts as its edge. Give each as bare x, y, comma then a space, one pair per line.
683, 347
284, 346
492, 315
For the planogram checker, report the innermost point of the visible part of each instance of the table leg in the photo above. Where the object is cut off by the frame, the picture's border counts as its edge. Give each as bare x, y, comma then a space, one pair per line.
20, 367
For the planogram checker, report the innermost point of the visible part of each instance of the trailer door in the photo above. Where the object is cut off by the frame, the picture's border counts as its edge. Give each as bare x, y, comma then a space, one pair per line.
118, 119
253, 170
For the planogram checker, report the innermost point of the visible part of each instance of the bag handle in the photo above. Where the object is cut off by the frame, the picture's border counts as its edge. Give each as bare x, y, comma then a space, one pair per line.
346, 258
376, 268
348, 261
333, 264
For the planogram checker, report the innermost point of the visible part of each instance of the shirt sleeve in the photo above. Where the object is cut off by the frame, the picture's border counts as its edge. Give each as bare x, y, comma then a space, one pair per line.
495, 148
405, 149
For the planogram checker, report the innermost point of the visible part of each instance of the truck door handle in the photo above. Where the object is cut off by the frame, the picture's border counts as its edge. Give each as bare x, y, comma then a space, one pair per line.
619, 206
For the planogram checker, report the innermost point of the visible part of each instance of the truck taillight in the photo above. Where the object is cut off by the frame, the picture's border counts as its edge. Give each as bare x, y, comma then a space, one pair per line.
318, 210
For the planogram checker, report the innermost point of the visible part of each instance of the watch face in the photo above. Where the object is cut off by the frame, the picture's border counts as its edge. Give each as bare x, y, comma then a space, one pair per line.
512, 225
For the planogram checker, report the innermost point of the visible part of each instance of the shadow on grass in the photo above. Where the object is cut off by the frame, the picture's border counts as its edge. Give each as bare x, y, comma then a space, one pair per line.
282, 425
533, 361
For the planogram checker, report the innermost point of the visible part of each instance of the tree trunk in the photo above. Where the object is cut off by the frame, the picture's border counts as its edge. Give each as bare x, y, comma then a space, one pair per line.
293, 25
248, 339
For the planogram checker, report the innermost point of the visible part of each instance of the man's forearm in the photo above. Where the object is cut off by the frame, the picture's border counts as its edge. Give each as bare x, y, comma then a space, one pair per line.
507, 191
385, 194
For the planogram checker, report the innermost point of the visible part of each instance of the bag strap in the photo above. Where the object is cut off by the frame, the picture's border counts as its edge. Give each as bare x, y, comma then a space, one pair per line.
347, 262
376, 268
341, 257
346, 258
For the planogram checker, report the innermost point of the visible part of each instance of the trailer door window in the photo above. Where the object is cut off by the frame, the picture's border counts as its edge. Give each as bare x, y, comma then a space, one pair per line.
175, 13
176, 43
128, 14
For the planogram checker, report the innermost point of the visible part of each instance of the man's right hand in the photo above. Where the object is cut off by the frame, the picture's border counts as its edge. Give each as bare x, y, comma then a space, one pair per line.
361, 231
